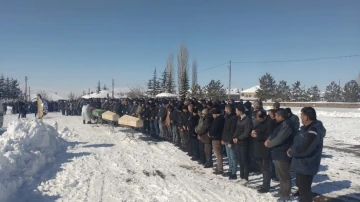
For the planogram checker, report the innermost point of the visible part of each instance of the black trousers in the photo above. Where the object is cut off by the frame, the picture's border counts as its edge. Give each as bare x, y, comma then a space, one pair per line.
244, 161
265, 168
195, 147
303, 182
202, 152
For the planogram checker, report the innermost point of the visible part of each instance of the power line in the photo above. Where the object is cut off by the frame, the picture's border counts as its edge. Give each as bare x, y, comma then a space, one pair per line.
214, 67
302, 60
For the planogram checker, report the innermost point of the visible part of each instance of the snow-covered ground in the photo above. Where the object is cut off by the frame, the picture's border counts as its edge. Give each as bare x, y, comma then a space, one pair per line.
97, 165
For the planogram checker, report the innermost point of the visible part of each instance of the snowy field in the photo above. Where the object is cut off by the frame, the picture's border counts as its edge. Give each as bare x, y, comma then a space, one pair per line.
61, 159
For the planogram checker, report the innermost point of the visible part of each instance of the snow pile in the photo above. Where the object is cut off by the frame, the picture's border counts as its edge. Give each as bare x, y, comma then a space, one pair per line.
336, 114
8, 109
25, 149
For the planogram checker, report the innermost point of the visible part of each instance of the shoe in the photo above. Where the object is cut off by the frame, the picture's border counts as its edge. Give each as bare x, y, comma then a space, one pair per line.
296, 194
262, 190
209, 164
194, 158
218, 172
83, 122
233, 177
275, 179
227, 174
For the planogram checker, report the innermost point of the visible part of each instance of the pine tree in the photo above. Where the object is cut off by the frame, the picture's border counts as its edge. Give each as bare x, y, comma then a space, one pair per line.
15, 91
185, 84
150, 88
194, 74
314, 93
99, 87
267, 88
163, 81
197, 92
215, 90
7, 88
105, 88
333, 93
283, 91
2, 87
170, 81
298, 94
351, 91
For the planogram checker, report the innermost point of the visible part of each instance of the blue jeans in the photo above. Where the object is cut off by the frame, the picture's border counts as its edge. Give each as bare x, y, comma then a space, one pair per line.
156, 127
232, 158
152, 128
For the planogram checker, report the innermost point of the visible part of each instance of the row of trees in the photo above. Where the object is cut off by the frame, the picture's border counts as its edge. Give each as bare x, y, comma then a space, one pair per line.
281, 91
166, 82
9, 88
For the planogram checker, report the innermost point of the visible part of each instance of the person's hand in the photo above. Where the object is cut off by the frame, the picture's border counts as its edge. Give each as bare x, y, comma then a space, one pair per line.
267, 143
229, 145
288, 152
253, 134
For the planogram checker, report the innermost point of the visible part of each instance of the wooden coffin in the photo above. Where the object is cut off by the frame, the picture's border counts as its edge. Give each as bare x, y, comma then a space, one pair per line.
130, 121
110, 116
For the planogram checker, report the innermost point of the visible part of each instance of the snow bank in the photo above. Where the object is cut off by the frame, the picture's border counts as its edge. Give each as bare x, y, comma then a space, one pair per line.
8, 109
25, 149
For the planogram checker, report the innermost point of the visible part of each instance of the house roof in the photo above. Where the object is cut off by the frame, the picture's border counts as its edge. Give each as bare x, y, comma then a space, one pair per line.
251, 90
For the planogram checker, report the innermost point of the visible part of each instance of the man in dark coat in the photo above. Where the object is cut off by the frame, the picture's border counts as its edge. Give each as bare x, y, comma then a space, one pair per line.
294, 119
306, 152
241, 138
258, 151
202, 130
279, 142
227, 140
215, 134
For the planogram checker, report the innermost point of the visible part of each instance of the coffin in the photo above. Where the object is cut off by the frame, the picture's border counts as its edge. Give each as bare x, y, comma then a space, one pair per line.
110, 116
130, 121
97, 112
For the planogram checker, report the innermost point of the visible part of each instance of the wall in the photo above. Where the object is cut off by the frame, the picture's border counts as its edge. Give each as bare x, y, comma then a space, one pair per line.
317, 104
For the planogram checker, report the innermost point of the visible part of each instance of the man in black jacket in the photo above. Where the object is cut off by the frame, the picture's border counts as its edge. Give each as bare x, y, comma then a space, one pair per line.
215, 134
279, 142
227, 140
262, 154
241, 138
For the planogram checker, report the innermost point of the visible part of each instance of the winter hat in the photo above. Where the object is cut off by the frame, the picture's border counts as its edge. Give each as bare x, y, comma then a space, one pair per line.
195, 110
185, 107
241, 108
247, 105
215, 111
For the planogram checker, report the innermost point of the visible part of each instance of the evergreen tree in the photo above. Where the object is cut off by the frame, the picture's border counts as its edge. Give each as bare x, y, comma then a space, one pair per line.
298, 94
283, 91
170, 81
215, 90
185, 84
105, 88
196, 92
314, 93
2, 86
267, 88
333, 93
7, 88
351, 91
99, 87
15, 90
150, 88
163, 81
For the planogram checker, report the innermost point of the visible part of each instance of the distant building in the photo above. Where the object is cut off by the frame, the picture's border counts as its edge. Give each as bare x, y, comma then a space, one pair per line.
249, 94
234, 94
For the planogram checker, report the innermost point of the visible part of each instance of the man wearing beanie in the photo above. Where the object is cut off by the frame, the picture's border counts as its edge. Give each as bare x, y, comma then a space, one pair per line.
241, 138
215, 134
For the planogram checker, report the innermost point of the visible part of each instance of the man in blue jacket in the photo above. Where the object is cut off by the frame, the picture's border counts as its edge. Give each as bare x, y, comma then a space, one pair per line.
306, 152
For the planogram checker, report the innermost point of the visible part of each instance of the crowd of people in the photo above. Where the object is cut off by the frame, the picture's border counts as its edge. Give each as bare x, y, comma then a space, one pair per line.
270, 142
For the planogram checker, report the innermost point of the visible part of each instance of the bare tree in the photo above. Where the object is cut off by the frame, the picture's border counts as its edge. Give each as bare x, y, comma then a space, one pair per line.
194, 74
137, 91
44, 95
72, 96
183, 67
170, 83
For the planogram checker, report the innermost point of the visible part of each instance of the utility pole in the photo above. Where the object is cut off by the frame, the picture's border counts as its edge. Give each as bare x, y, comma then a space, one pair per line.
29, 95
113, 86
229, 96
26, 80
